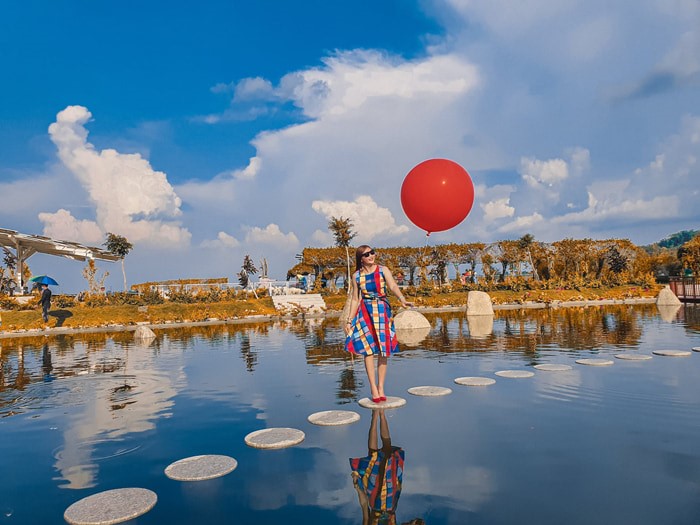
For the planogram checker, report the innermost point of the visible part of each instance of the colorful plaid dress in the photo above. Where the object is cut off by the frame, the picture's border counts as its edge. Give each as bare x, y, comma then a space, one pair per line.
372, 327
380, 478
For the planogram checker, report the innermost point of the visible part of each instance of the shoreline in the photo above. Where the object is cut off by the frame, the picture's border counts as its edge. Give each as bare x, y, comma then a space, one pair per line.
46, 332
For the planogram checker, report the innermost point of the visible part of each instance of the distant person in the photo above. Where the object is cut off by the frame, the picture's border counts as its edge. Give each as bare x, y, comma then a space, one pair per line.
11, 287
45, 302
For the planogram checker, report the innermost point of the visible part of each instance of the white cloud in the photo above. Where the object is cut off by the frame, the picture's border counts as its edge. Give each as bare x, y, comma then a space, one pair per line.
368, 218
63, 226
349, 79
249, 172
497, 209
543, 172
223, 240
272, 234
256, 88
522, 224
130, 198
322, 238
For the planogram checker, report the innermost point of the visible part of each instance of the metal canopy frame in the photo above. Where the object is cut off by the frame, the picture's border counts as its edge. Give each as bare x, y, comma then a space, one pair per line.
25, 245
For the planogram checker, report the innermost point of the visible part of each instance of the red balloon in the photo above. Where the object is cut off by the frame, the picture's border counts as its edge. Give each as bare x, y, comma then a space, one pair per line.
437, 195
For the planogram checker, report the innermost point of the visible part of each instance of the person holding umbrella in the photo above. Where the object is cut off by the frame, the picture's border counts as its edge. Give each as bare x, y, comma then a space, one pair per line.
45, 299
45, 302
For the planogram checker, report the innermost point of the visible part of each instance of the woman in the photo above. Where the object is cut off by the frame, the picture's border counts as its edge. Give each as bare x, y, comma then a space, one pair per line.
378, 476
369, 327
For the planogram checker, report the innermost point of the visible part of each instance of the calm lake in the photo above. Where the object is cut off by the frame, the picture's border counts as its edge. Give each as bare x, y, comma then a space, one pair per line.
592, 445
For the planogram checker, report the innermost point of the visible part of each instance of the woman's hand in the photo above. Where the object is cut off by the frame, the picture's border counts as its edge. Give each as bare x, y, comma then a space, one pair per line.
407, 304
348, 328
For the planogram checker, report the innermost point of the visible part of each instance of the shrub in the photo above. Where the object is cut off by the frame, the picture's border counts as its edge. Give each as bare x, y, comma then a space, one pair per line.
64, 301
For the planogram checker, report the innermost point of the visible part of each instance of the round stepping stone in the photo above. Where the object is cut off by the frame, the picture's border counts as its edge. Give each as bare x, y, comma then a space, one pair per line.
594, 362
475, 381
514, 374
274, 438
429, 391
331, 418
199, 468
553, 367
672, 353
111, 506
391, 402
696, 349
634, 357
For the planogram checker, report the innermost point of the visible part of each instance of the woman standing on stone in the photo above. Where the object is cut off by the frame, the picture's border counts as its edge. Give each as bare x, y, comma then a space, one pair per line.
369, 327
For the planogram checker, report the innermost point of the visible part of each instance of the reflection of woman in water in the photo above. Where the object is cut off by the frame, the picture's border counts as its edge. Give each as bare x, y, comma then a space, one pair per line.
377, 477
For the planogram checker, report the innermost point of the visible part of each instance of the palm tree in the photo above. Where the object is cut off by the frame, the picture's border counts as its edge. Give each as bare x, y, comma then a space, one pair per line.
342, 231
120, 247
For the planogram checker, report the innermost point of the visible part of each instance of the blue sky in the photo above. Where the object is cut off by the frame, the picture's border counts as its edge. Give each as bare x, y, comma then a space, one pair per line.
206, 132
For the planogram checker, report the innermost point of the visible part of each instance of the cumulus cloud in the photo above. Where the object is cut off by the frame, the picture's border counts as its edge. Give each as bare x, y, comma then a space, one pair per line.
547, 173
522, 224
497, 209
62, 225
272, 234
223, 240
249, 172
130, 198
368, 218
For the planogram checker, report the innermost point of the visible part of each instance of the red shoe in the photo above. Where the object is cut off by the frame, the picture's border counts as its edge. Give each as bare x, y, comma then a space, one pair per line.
382, 398
378, 399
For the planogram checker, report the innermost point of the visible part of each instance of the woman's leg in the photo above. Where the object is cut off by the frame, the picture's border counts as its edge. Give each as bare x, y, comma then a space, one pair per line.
369, 367
381, 372
372, 441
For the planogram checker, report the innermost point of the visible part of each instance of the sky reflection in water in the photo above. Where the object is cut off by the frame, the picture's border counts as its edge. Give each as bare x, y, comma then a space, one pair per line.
591, 445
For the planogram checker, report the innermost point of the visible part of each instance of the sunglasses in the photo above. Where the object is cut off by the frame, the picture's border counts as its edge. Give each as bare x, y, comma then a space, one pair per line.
367, 254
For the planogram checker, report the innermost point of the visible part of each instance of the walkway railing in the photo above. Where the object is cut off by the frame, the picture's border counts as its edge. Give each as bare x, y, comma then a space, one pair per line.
685, 288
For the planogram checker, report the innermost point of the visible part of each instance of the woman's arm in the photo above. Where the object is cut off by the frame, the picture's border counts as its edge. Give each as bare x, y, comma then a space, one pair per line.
354, 304
391, 284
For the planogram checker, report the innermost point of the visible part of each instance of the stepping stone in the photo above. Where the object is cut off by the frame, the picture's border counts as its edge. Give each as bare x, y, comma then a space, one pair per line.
553, 367
696, 349
111, 506
274, 438
514, 374
429, 391
634, 357
475, 381
199, 468
331, 418
594, 362
672, 353
391, 402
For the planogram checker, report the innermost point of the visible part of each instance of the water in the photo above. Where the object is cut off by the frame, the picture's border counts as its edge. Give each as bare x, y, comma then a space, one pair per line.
83, 414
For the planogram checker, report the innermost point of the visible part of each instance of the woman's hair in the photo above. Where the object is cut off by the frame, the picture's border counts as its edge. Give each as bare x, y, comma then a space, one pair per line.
358, 256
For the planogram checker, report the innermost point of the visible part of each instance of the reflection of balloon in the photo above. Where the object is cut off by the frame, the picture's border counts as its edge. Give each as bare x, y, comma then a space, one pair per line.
437, 195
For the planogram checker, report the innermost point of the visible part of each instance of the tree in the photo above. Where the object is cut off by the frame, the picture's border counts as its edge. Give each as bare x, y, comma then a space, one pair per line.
120, 247
342, 231
246, 269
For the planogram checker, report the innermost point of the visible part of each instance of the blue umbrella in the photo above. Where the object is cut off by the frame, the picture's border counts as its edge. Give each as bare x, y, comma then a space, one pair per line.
43, 279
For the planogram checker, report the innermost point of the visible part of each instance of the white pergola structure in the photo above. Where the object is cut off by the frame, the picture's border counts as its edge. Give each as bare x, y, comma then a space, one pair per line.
24, 246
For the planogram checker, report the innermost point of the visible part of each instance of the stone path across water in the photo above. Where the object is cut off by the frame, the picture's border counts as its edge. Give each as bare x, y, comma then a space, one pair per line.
111, 506
595, 362
633, 357
274, 438
391, 402
672, 353
331, 418
475, 381
515, 374
200, 468
429, 391
553, 367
